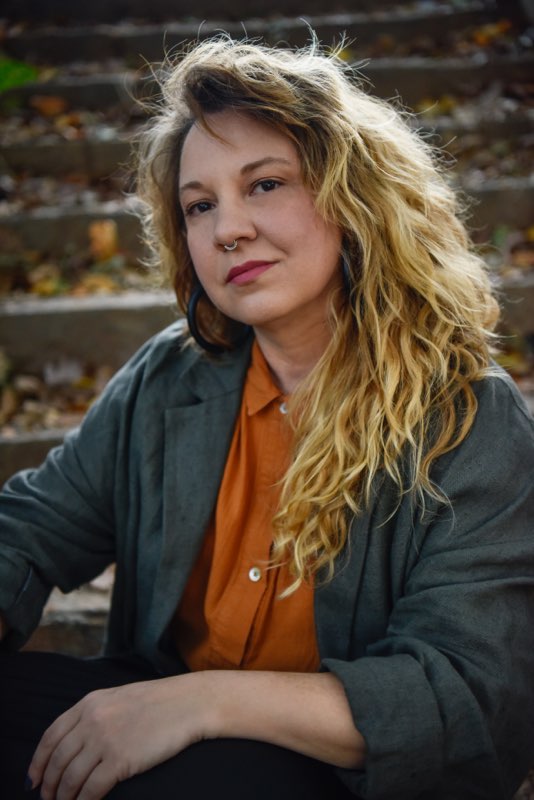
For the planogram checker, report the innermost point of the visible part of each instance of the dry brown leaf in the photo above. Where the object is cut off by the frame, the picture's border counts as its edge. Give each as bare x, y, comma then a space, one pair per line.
103, 238
48, 105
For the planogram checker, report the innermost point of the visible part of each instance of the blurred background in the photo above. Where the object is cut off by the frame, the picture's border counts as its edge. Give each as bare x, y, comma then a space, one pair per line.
75, 301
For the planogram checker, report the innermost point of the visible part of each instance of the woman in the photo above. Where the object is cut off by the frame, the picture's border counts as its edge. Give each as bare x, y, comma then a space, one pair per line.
320, 516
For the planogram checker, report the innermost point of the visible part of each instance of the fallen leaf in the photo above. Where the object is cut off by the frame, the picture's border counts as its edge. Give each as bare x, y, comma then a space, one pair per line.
103, 238
95, 284
48, 105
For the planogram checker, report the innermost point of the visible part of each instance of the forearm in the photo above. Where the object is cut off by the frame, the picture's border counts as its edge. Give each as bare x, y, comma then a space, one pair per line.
125, 730
308, 713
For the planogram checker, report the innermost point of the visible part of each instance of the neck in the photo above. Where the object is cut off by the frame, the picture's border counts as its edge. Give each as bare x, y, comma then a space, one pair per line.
292, 358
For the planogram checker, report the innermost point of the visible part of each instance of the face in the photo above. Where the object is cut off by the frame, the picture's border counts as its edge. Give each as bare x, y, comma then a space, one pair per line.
247, 186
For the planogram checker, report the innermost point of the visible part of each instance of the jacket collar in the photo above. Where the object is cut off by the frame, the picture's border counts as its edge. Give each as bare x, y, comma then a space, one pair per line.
209, 376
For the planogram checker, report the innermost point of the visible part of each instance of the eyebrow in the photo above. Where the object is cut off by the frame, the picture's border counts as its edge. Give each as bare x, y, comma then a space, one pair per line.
245, 169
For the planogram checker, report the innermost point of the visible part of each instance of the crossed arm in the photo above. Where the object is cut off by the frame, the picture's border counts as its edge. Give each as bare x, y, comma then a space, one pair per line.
113, 734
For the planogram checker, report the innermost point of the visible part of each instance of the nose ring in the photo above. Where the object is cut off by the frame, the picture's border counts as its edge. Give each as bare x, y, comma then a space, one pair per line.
229, 247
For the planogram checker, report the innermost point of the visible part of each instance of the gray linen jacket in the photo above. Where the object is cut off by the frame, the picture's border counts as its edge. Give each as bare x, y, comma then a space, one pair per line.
428, 622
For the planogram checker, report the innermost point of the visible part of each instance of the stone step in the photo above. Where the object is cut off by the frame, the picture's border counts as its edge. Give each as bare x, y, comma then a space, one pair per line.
507, 201
64, 11
94, 158
53, 228
517, 300
60, 45
99, 158
113, 328
446, 128
73, 624
29, 450
81, 328
104, 328
93, 92
89, 330
410, 78
414, 78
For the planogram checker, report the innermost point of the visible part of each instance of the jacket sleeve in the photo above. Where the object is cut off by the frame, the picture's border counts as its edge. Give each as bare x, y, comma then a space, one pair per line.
445, 699
57, 523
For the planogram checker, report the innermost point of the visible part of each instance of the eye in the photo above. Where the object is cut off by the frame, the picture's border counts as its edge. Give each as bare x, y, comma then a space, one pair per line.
198, 208
266, 185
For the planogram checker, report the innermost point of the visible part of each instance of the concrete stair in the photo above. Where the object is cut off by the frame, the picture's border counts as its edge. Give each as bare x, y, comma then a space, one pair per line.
68, 40
60, 33
60, 37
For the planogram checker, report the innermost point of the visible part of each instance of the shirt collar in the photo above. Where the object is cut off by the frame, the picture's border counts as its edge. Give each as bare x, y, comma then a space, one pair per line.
260, 388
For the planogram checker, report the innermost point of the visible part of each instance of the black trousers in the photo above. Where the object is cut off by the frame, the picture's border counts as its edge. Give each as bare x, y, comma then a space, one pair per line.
35, 688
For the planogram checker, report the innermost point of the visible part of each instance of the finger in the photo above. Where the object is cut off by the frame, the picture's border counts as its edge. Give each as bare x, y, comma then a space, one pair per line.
49, 741
101, 781
76, 774
60, 759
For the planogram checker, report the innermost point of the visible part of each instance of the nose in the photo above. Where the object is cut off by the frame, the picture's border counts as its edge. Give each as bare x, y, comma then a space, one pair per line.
233, 222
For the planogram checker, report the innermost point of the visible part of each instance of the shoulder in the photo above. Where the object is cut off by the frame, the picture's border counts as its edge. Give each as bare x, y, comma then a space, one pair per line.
503, 423
166, 348
171, 370
498, 452
159, 360
500, 401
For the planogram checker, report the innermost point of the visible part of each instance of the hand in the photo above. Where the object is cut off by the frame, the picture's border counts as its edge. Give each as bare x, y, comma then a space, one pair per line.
113, 734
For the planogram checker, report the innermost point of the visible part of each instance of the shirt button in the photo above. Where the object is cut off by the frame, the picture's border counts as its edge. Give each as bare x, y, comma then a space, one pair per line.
283, 408
254, 574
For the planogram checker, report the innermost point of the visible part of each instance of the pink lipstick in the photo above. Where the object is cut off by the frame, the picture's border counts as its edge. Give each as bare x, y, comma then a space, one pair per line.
247, 272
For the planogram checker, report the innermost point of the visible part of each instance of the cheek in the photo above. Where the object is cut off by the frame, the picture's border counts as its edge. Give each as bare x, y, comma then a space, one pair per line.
321, 241
191, 241
311, 229
198, 253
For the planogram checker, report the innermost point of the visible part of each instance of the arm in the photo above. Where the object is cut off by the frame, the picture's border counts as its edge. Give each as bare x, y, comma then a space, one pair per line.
58, 523
442, 689
62, 524
308, 713
116, 733
442, 694
56, 528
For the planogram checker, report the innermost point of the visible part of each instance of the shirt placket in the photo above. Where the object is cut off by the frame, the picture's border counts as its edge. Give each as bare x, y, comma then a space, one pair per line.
250, 580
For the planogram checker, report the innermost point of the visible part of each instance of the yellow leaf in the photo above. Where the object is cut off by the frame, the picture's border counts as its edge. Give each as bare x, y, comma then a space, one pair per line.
103, 238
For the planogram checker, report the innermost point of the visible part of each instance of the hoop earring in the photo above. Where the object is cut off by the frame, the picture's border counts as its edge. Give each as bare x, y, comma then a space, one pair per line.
210, 347
196, 296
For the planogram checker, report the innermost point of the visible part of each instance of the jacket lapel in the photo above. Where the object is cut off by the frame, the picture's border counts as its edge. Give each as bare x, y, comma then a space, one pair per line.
197, 438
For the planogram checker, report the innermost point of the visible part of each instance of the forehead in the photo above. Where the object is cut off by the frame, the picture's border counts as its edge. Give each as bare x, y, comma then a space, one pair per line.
236, 139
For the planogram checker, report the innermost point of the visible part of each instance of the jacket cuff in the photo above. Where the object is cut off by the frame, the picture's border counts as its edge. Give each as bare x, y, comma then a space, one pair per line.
396, 712
22, 598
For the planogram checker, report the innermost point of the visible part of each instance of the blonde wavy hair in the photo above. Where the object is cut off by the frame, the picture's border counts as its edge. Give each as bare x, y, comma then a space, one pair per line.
393, 391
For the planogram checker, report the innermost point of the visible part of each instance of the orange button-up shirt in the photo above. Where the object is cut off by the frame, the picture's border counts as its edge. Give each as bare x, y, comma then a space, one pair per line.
230, 616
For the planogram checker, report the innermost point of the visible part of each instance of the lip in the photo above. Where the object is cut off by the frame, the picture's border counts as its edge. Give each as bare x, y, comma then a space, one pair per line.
247, 272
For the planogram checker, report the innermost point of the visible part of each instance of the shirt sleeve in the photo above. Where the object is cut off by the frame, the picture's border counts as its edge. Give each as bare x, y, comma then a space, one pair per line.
445, 699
